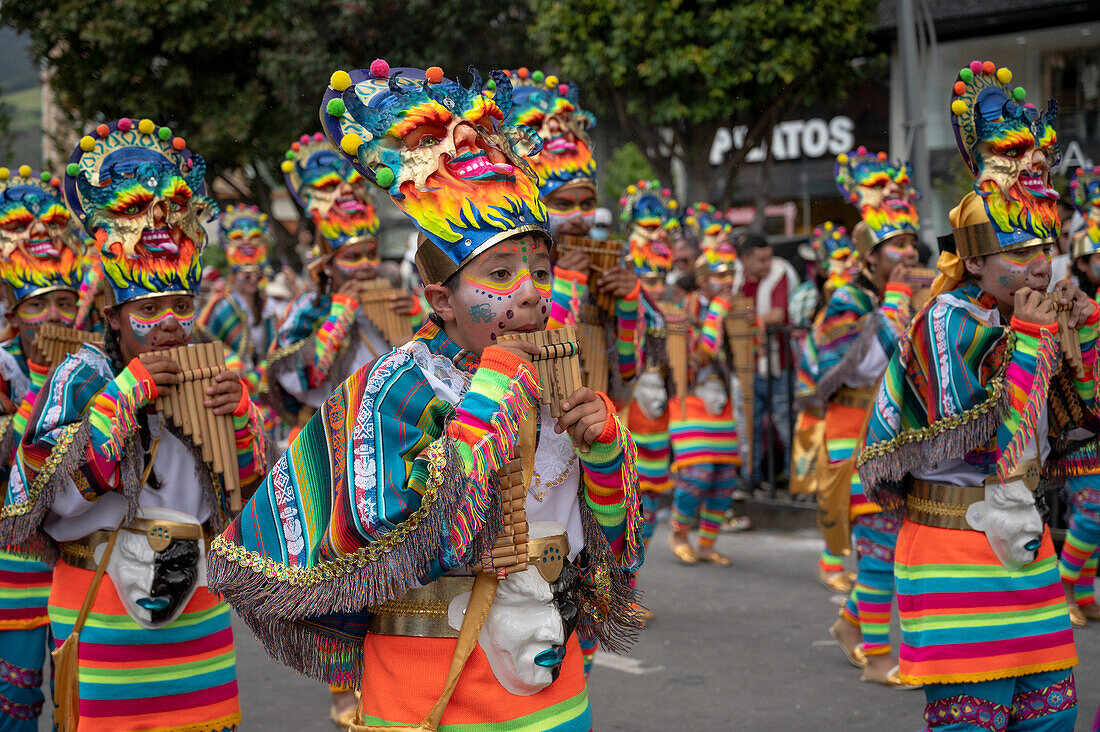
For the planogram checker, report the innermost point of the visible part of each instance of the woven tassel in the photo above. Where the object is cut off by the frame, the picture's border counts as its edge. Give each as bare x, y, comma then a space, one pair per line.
1045, 362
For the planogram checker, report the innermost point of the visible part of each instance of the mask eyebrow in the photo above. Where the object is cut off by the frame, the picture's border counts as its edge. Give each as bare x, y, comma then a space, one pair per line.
425, 113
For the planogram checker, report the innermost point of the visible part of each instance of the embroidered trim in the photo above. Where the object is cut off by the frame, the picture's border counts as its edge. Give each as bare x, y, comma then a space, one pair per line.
20, 711
57, 455
966, 709
24, 678
1042, 702
868, 548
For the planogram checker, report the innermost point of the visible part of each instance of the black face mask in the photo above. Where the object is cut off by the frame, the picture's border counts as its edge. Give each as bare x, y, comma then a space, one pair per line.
564, 589
175, 572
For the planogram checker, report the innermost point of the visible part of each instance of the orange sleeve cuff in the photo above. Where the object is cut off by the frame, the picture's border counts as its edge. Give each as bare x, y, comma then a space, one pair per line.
568, 274
611, 426
1032, 329
899, 287
143, 377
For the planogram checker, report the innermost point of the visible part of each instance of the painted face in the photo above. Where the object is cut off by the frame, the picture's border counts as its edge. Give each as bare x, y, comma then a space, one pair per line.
247, 281
154, 324
713, 393
504, 290
1014, 156
37, 242
883, 194
572, 210
1093, 268
1003, 274
356, 261
54, 308
246, 242
650, 394
155, 586
1010, 521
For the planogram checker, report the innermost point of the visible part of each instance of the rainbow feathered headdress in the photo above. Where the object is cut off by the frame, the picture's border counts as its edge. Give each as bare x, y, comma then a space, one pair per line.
39, 250
139, 193
444, 154
1086, 197
707, 224
244, 232
882, 192
552, 109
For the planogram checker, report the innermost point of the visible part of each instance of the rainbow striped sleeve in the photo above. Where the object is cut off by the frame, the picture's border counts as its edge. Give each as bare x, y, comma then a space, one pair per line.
19, 420
330, 336
419, 315
248, 426
710, 336
626, 308
569, 290
896, 315
112, 416
223, 320
610, 479
1086, 387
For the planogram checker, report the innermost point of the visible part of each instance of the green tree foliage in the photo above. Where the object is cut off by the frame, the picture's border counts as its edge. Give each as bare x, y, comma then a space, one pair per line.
627, 165
673, 71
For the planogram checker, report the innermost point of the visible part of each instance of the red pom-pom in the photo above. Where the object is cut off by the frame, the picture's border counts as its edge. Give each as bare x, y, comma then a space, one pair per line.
125, 124
563, 89
989, 67
304, 139
179, 143
976, 67
524, 72
102, 130
854, 198
882, 156
434, 75
862, 150
379, 69
318, 136
55, 182
295, 146
960, 88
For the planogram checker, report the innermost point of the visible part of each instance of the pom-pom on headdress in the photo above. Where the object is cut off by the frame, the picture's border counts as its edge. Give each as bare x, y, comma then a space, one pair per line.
552, 109
707, 224
1009, 148
139, 193
444, 154
245, 233
650, 211
39, 249
1086, 197
882, 192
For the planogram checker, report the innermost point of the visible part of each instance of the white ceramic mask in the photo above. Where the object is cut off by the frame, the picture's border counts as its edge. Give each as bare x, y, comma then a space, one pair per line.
650, 394
1011, 522
714, 396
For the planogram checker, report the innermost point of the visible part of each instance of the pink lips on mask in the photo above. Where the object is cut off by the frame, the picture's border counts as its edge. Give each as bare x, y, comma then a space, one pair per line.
896, 203
1034, 185
42, 249
478, 167
559, 145
159, 241
350, 204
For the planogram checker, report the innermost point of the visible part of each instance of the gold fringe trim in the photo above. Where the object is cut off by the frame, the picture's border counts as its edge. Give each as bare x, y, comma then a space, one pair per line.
979, 677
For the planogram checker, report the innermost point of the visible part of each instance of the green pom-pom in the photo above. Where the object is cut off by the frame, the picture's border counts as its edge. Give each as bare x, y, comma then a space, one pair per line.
840, 179
537, 77
335, 107
289, 155
45, 176
383, 177
1018, 94
164, 133
72, 169
491, 86
966, 75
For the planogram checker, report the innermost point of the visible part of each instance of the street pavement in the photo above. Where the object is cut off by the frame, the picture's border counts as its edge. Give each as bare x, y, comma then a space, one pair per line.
741, 648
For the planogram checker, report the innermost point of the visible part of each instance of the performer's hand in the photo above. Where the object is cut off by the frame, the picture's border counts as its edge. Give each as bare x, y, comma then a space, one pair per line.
350, 289
403, 303
164, 369
1033, 307
574, 261
1068, 292
617, 281
518, 347
898, 273
584, 415
225, 394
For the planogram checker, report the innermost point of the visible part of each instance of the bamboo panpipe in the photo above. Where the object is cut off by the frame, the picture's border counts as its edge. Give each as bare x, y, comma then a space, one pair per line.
602, 256
56, 342
374, 300
213, 434
1069, 339
920, 281
742, 337
594, 350
676, 348
557, 365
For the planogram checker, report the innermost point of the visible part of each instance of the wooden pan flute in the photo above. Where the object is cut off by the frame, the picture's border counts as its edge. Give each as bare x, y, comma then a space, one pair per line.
56, 342
920, 280
558, 365
374, 300
742, 337
212, 433
602, 256
1069, 339
594, 349
676, 347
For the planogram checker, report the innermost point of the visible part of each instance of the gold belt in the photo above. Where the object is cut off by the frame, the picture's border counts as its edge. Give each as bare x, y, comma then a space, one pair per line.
81, 552
422, 611
945, 506
861, 398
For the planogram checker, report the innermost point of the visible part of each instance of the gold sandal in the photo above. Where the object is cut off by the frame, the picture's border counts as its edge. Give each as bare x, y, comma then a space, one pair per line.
853, 653
715, 558
683, 552
891, 679
1077, 617
835, 581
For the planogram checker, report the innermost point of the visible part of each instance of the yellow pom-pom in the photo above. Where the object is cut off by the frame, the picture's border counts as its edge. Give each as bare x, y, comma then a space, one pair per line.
673, 205
146, 127
340, 80
350, 143
4, 173
287, 166
263, 217
24, 171
87, 143
229, 209
842, 158
1004, 75
551, 81
632, 190
958, 107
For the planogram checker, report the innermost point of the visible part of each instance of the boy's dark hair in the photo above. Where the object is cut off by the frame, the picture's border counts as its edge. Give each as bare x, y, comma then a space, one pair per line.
750, 242
452, 283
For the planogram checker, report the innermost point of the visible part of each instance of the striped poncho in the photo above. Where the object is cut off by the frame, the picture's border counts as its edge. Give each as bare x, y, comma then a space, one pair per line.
389, 486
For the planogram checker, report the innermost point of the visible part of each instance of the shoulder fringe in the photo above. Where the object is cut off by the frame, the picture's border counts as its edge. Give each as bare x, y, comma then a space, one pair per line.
854, 354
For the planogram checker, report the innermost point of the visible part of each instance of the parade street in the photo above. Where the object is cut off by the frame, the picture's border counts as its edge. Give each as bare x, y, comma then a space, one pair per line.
739, 648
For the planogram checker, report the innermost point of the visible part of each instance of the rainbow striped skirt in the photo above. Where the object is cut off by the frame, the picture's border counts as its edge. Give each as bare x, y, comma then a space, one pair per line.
181, 677
966, 618
24, 590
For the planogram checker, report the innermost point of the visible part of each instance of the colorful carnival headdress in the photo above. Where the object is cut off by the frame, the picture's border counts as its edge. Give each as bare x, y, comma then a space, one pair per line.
721, 260
553, 110
245, 233
443, 153
1086, 196
830, 242
707, 224
330, 191
1009, 148
650, 210
882, 192
139, 193
39, 250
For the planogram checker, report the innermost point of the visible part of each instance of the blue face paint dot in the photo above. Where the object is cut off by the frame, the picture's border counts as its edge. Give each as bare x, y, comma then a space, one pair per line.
544, 309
